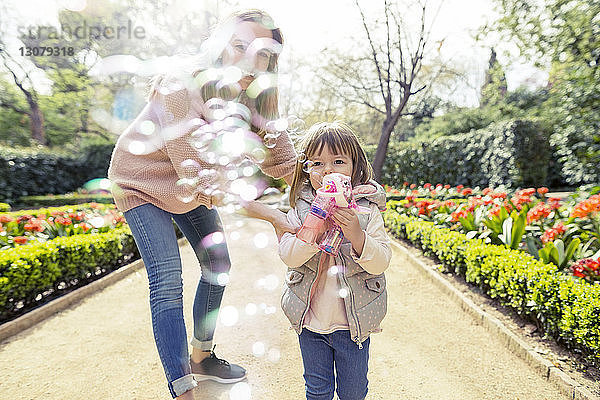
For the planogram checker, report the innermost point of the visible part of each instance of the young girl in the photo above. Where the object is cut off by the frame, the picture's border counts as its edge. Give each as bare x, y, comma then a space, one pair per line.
335, 303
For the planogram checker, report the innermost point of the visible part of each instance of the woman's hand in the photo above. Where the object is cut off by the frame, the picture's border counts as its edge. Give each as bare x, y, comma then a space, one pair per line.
282, 225
364, 189
347, 219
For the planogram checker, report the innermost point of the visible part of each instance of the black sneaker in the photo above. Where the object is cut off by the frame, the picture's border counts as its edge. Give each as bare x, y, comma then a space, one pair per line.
216, 369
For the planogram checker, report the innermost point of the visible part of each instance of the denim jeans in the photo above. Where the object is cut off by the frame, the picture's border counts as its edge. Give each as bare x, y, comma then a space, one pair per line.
321, 353
154, 234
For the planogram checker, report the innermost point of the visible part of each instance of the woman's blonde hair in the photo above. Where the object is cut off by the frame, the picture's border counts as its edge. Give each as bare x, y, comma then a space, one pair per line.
340, 139
267, 102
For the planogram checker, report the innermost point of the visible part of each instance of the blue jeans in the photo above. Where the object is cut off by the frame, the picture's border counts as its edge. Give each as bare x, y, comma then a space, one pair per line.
154, 234
322, 353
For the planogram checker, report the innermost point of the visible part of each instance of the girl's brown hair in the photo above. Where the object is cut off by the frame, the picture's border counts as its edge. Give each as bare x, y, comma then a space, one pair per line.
340, 139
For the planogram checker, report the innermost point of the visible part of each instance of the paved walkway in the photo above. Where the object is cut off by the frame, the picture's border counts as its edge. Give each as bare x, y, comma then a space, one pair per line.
102, 347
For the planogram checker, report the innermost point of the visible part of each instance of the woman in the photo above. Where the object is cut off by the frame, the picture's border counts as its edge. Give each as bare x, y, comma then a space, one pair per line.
153, 157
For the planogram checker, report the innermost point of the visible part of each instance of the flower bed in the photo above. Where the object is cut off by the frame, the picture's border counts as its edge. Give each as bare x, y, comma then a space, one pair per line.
564, 305
37, 226
32, 273
551, 229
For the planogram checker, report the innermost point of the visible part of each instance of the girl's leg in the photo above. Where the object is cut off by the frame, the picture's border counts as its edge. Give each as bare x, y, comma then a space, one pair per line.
317, 357
154, 235
204, 230
351, 366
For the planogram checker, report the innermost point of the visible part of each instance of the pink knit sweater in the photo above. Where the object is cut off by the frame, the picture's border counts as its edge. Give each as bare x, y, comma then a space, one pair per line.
146, 160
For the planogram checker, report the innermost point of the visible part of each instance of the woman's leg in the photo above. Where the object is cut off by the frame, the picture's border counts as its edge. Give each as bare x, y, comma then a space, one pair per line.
204, 230
153, 231
317, 357
351, 366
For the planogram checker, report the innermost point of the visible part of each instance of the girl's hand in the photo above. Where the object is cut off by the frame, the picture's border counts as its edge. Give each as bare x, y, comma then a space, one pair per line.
347, 219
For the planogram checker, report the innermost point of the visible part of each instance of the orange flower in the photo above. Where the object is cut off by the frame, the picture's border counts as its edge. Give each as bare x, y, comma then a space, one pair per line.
586, 207
20, 239
24, 218
538, 212
542, 190
5, 218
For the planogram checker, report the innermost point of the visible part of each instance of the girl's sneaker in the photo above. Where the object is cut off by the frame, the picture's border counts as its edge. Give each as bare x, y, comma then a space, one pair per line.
217, 369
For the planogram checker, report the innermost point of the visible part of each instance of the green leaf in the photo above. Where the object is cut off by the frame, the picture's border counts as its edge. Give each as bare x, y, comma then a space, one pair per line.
560, 250
518, 230
573, 246
506, 231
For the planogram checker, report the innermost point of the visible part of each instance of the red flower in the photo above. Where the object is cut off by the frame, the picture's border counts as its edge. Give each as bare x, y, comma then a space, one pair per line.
405, 184
459, 187
24, 218
587, 268
427, 185
446, 186
34, 226
5, 218
542, 190
551, 234
412, 186
541, 210
467, 191
554, 203
586, 207
486, 191
495, 211
63, 221
459, 214
20, 239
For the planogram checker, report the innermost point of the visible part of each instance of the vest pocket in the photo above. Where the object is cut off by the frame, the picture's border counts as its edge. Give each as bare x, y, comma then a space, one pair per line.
293, 277
376, 284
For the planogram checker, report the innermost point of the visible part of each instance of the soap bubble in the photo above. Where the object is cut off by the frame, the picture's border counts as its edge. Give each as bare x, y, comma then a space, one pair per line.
270, 140
228, 315
98, 185
240, 391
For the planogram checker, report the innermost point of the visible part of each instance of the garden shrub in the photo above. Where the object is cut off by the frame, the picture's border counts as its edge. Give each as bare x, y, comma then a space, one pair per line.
563, 306
28, 274
512, 153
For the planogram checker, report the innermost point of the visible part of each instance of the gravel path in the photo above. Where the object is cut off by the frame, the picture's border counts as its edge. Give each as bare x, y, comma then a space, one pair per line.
102, 347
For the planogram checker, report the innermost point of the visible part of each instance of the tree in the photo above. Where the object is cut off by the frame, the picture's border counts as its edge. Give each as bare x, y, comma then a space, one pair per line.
494, 87
21, 76
385, 77
563, 35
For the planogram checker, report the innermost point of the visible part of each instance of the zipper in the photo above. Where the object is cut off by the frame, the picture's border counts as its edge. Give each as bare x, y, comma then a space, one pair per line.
352, 305
312, 284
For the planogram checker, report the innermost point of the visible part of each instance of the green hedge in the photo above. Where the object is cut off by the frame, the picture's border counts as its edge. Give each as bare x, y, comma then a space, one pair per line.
29, 172
31, 273
565, 307
49, 210
63, 199
512, 153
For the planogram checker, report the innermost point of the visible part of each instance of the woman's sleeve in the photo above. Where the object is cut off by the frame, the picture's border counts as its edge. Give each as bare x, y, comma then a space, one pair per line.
376, 252
173, 112
281, 159
293, 251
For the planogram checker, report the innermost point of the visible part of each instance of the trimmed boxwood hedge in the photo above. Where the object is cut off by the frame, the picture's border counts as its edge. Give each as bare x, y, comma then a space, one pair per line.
563, 306
31, 273
30, 172
63, 199
512, 153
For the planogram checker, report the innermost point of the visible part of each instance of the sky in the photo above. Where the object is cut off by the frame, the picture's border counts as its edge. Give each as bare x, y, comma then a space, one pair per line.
311, 25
